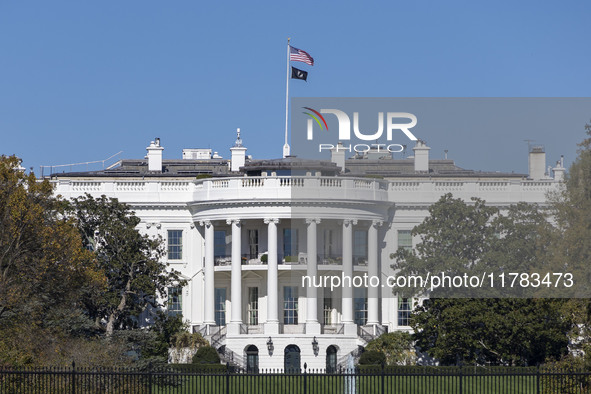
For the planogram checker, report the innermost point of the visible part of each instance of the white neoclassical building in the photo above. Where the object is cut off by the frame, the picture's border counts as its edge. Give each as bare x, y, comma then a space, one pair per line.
244, 232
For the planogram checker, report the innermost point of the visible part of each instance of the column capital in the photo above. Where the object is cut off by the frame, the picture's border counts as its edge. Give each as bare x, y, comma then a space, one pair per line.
233, 221
205, 223
377, 223
347, 222
315, 220
269, 220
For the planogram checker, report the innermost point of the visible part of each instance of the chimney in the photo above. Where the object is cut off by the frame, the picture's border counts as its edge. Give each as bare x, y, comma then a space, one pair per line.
559, 170
154, 156
337, 155
421, 156
537, 162
238, 154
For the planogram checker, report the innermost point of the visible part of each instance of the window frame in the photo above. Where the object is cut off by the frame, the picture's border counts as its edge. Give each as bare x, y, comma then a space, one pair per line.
174, 254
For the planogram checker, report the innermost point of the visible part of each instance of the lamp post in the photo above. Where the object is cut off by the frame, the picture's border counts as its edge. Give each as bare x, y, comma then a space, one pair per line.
270, 346
315, 346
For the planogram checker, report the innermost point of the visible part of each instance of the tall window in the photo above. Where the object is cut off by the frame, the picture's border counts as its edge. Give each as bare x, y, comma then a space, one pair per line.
360, 245
290, 242
360, 305
404, 240
175, 301
220, 306
219, 243
253, 243
404, 311
290, 305
328, 243
175, 244
253, 306
328, 309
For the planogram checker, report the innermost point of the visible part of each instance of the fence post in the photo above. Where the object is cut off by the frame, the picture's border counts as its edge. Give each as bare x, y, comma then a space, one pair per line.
461, 380
538, 379
150, 377
227, 378
305, 379
73, 375
383, 378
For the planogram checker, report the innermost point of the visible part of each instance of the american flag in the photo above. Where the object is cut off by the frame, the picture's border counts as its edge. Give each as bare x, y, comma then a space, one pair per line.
297, 55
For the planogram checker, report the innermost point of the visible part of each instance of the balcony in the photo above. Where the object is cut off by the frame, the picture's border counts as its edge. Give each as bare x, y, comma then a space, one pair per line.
253, 188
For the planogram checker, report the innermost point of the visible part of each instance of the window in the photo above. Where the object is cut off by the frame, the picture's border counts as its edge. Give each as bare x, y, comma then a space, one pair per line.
360, 305
328, 244
253, 243
360, 245
219, 243
220, 306
327, 308
290, 242
175, 244
404, 240
290, 305
404, 311
253, 306
175, 301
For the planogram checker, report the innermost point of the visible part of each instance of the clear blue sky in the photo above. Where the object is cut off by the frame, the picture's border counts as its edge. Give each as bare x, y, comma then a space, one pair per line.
83, 80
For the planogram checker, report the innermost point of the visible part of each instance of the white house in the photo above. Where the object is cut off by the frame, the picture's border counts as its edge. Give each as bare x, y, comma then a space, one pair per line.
243, 232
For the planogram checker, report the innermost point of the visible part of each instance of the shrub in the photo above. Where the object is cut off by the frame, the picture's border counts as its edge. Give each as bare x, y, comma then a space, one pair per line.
186, 339
206, 355
397, 347
372, 357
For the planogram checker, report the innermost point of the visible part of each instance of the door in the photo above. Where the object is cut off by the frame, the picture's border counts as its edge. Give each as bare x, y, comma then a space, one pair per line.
292, 359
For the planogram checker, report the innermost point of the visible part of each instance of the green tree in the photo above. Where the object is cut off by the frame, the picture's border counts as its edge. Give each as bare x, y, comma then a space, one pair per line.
136, 278
44, 271
497, 331
396, 346
571, 247
475, 239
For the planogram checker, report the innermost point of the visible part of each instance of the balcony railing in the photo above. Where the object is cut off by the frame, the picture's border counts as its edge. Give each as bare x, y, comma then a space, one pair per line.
299, 259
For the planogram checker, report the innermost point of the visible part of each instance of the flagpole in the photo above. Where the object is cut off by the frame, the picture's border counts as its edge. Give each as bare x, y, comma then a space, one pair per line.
286, 151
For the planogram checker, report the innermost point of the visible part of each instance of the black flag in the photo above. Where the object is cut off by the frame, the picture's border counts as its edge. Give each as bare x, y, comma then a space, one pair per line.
296, 73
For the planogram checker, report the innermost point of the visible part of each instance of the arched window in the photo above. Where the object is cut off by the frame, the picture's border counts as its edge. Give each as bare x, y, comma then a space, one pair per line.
291, 363
252, 359
331, 359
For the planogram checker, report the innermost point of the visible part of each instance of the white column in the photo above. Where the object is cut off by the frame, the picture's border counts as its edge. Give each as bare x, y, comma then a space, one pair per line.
347, 297
272, 323
372, 270
208, 273
312, 324
236, 278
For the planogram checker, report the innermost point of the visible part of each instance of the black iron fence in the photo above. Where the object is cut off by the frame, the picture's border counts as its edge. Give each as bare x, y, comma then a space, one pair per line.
220, 379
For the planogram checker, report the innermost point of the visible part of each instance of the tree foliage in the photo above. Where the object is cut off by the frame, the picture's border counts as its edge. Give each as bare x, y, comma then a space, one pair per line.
44, 271
496, 331
372, 357
206, 355
396, 346
136, 278
474, 239
571, 208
